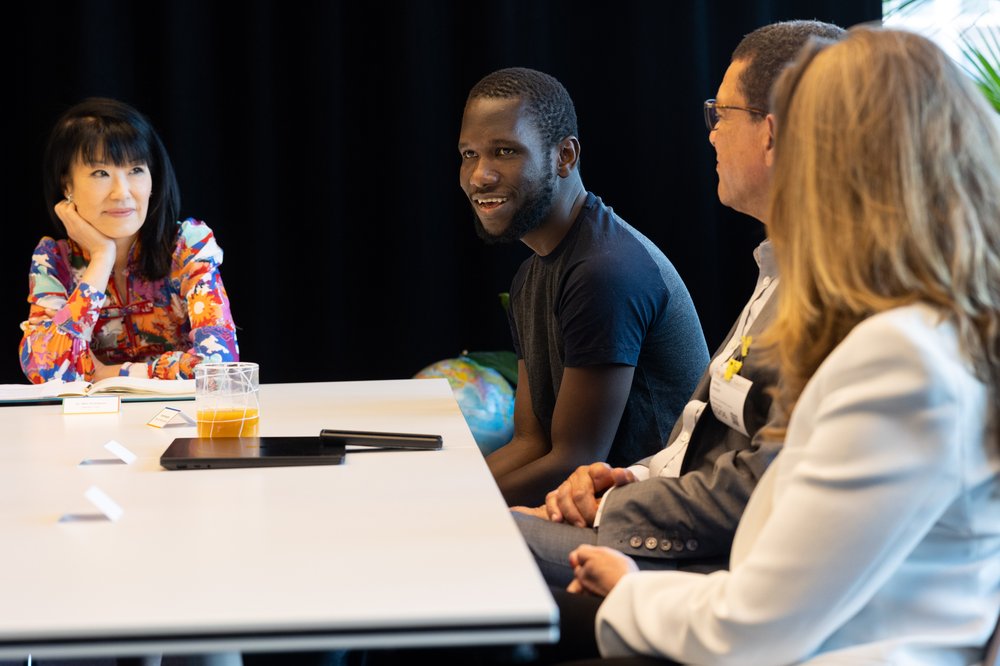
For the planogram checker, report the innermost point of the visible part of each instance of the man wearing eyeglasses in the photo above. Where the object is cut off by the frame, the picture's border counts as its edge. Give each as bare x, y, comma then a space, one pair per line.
679, 508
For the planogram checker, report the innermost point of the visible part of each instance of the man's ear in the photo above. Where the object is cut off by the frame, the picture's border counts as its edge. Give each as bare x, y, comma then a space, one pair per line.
567, 156
769, 140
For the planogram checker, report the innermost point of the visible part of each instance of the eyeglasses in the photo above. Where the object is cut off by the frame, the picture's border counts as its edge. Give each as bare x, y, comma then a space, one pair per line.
712, 112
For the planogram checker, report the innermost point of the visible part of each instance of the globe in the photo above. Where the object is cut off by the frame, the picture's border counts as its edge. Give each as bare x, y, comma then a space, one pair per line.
483, 395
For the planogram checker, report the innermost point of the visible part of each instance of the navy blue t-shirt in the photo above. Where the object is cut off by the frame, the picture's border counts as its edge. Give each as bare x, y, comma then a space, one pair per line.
607, 295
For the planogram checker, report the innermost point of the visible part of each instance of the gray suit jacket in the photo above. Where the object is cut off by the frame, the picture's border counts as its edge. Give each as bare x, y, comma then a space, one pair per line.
692, 518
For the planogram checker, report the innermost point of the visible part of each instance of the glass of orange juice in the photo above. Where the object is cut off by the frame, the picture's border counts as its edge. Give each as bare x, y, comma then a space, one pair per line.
227, 399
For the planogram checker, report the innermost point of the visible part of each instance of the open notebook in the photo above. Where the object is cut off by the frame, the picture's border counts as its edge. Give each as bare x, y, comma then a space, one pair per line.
130, 388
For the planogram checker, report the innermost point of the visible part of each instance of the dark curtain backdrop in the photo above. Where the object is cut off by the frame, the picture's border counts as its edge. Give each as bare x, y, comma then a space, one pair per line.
318, 140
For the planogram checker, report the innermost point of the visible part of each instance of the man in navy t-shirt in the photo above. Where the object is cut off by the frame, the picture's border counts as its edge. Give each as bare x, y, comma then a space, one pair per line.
608, 341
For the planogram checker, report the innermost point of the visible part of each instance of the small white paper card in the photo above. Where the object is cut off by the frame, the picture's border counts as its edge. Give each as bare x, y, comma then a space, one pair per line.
166, 415
104, 504
92, 404
119, 450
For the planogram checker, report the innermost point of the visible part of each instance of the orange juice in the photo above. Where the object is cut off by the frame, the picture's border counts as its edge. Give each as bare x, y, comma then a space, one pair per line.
228, 422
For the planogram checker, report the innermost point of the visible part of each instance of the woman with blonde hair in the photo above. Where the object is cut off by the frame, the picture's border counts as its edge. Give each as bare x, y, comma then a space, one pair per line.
874, 537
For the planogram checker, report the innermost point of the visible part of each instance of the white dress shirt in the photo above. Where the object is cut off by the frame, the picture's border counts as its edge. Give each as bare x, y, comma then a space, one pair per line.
873, 538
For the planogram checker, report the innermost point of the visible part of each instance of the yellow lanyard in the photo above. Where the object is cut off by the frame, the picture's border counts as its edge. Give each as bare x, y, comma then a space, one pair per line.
734, 364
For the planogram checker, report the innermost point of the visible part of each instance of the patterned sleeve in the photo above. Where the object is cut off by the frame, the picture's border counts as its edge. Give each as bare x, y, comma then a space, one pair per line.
213, 334
57, 346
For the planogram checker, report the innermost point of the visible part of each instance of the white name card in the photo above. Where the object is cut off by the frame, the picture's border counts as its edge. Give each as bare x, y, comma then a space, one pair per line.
119, 450
111, 510
92, 404
168, 414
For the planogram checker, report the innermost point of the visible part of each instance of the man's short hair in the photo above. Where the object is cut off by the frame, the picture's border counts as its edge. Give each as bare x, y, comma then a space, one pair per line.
769, 49
545, 99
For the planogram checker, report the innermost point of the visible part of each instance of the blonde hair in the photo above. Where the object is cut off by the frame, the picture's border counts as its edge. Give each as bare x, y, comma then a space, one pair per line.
885, 192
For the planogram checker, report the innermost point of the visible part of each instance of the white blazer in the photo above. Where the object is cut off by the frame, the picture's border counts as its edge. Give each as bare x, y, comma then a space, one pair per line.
873, 538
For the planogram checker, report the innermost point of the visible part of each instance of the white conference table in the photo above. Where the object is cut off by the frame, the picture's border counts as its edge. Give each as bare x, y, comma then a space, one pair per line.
388, 549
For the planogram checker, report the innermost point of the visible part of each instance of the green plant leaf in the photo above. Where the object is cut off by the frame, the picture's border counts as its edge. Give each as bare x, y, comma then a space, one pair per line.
983, 63
892, 7
504, 362
981, 55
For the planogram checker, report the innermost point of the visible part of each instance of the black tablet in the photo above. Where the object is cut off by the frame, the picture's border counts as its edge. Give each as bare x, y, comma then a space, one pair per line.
223, 452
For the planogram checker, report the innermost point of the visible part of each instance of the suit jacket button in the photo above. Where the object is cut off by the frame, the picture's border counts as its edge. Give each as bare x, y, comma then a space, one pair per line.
651, 543
692, 544
635, 542
678, 545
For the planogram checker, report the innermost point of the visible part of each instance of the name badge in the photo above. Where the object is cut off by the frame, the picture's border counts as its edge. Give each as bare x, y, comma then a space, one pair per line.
728, 396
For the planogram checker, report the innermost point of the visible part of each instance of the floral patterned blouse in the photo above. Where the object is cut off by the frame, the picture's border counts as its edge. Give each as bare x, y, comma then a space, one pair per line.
164, 328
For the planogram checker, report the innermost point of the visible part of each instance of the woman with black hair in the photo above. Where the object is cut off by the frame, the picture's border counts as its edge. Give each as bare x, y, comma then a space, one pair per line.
130, 291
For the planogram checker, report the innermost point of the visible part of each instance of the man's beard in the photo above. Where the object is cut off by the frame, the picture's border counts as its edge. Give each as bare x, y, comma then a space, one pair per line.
533, 211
